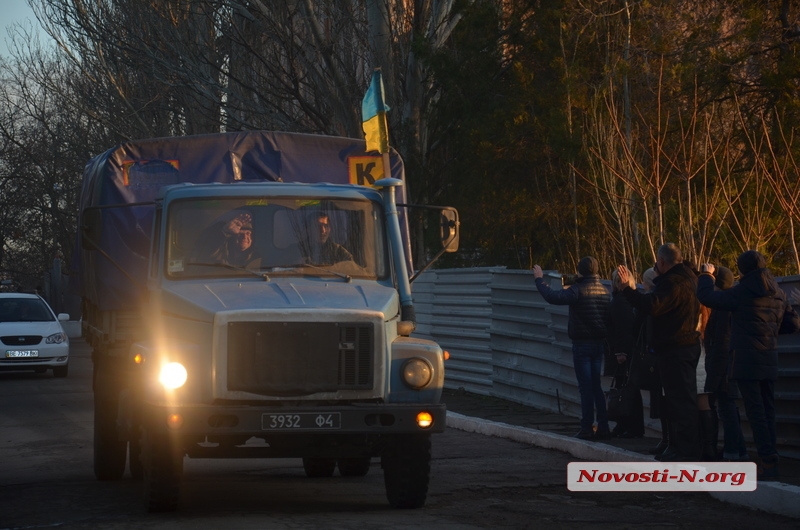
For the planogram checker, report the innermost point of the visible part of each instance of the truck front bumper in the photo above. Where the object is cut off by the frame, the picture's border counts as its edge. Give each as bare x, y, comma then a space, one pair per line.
218, 420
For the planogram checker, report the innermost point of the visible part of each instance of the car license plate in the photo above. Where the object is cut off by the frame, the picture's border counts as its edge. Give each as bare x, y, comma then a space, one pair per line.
22, 353
301, 421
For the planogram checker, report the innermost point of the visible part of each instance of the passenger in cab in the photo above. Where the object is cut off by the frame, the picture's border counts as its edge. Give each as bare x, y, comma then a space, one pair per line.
228, 241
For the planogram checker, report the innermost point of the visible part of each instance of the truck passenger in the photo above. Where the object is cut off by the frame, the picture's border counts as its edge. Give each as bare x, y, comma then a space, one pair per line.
228, 241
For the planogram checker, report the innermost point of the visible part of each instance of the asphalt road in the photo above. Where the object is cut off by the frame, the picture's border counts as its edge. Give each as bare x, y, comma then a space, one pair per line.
46, 481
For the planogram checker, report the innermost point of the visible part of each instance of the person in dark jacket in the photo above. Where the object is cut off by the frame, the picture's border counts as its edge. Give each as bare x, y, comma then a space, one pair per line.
758, 310
717, 341
588, 301
675, 311
623, 330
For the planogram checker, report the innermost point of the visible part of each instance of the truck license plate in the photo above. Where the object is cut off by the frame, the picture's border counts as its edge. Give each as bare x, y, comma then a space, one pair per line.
301, 421
22, 353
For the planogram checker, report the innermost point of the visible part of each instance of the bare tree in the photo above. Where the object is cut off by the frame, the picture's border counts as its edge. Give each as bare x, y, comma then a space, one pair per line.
694, 184
775, 162
174, 67
43, 150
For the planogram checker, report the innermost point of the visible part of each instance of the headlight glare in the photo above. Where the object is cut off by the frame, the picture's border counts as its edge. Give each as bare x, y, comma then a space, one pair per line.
172, 376
417, 373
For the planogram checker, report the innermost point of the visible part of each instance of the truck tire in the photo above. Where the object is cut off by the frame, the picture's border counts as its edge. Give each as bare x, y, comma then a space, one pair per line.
354, 467
406, 463
319, 467
162, 469
109, 450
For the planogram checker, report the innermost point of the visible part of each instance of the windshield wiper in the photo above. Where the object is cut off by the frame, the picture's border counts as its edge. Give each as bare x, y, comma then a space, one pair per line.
345, 277
262, 275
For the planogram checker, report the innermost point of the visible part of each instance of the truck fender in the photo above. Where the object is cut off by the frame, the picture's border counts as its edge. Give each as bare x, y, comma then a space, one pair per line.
403, 350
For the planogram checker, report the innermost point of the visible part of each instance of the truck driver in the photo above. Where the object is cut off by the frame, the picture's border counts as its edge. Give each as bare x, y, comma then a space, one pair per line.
324, 250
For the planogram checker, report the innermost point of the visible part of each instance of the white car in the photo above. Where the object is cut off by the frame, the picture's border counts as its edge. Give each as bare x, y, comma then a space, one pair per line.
31, 335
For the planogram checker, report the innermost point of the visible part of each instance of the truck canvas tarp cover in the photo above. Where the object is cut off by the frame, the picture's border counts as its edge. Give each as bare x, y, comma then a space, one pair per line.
134, 172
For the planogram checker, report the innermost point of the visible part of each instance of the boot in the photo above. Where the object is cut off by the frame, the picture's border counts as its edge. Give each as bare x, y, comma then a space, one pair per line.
663, 445
709, 432
670, 454
768, 470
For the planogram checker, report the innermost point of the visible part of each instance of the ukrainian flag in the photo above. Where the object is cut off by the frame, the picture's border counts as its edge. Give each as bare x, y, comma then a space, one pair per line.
373, 112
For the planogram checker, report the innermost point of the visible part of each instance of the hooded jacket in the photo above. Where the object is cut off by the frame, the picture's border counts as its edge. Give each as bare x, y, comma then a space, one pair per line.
757, 308
588, 301
673, 306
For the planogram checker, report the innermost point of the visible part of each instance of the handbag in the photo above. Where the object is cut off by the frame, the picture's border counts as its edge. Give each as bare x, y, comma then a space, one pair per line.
619, 403
644, 372
619, 399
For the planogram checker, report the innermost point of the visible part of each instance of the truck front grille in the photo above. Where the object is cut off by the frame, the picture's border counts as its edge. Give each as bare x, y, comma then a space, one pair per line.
299, 358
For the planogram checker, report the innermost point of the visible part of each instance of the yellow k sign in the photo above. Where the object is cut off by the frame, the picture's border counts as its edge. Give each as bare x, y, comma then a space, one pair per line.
365, 170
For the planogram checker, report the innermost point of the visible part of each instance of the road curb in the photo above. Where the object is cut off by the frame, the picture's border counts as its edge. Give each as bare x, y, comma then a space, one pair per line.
772, 497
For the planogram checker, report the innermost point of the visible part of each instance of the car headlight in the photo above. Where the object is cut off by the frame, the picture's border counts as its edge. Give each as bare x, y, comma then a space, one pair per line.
417, 373
56, 338
173, 375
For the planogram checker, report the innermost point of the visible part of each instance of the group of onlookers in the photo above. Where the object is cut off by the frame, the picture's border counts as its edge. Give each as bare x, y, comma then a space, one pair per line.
654, 339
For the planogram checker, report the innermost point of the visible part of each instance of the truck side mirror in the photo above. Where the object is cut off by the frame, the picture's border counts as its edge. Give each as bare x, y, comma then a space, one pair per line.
449, 229
91, 228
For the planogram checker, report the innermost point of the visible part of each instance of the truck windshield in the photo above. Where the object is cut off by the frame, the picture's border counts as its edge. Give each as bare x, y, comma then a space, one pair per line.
277, 236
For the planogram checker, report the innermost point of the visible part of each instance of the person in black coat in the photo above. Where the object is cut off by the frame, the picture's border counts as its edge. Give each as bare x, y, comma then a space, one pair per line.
623, 330
719, 359
588, 301
675, 311
759, 312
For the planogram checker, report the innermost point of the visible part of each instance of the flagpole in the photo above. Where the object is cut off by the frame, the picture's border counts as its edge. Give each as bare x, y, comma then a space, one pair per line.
376, 133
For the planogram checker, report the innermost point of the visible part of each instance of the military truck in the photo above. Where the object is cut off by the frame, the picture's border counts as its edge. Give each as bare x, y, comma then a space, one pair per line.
248, 295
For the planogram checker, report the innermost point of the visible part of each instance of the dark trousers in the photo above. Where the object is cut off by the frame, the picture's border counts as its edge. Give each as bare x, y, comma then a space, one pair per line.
587, 358
678, 369
759, 404
734, 446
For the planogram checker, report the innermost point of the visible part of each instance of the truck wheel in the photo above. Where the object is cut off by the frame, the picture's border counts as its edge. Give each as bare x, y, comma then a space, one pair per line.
61, 371
406, 463
319, 467
109, 450
162, 468
354, 467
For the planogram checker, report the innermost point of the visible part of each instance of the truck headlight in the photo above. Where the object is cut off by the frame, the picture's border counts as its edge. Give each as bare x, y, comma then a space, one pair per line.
417, 373
172, 376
